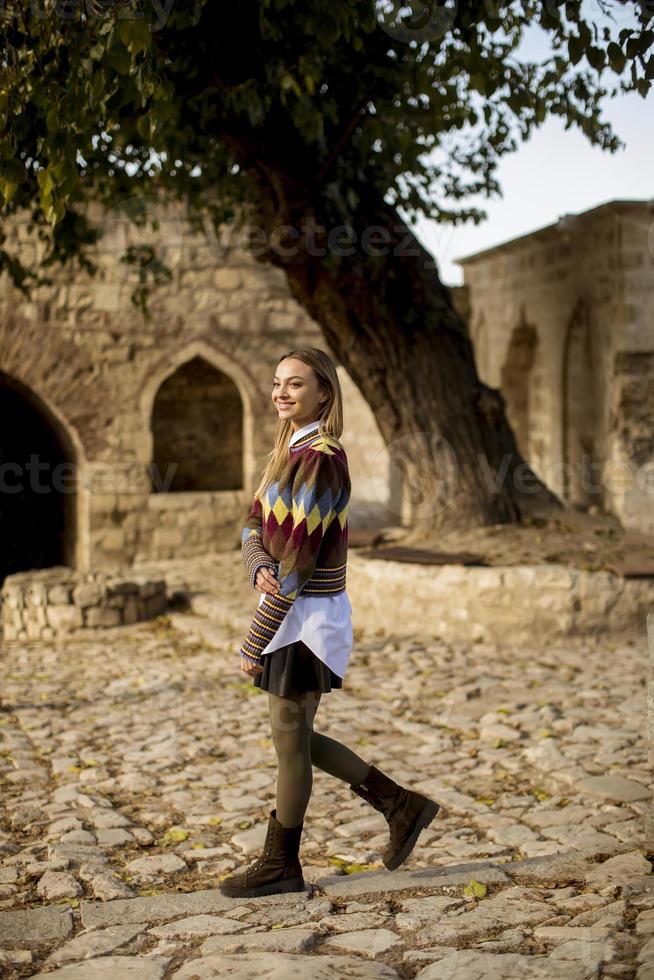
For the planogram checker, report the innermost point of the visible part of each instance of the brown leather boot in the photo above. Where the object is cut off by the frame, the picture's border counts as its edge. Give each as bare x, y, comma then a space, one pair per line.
406, 812
277, 870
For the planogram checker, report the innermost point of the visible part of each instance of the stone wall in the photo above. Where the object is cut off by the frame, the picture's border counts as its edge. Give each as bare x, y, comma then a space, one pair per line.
561, 323
182, 399
42, 604
508, 605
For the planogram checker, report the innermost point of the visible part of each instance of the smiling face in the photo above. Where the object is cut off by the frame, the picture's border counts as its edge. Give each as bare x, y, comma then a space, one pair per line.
297, 393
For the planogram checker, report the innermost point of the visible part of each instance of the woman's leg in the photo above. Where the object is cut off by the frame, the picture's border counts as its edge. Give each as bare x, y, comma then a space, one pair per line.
291, 722
336, 759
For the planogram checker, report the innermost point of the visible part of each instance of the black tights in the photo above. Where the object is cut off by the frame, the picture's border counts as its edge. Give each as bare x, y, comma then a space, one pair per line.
299, 748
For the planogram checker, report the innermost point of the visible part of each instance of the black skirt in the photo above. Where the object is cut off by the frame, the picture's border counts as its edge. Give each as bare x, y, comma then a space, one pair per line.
294, 669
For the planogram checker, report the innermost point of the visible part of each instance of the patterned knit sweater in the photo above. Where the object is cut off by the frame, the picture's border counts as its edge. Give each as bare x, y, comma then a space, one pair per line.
299, 529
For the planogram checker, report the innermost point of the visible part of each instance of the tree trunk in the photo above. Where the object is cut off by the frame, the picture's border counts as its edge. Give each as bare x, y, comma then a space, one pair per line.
391, 323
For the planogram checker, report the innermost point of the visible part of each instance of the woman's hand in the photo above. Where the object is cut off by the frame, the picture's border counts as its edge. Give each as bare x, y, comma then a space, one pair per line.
266, 580
251, 669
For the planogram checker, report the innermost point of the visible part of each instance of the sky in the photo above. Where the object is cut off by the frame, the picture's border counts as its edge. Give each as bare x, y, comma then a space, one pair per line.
555, 172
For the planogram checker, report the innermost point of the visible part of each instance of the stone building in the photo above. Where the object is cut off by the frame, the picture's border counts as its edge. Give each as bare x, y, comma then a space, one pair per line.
125, 439
562, 321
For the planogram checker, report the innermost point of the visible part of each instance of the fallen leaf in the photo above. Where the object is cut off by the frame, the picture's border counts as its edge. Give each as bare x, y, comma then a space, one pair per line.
475, 889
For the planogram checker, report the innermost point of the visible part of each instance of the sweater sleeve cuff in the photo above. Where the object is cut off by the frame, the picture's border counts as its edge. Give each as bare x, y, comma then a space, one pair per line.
254, 555
267, 620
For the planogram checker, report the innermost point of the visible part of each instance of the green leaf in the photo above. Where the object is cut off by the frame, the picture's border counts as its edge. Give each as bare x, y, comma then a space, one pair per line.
8, 189
288, 82
596, 58
143, 127
575, 48
617, 59
135, 35
119, 59
475, 889
175, 834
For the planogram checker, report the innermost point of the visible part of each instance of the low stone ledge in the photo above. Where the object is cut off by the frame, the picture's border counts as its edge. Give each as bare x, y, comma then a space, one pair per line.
497, 604
25, 928
43, 603
439, 880
163, 908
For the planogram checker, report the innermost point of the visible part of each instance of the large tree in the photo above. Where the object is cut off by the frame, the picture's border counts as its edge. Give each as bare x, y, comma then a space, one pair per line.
321, 122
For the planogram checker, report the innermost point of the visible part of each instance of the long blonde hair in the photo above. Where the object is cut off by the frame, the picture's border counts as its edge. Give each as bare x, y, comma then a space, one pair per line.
331, 414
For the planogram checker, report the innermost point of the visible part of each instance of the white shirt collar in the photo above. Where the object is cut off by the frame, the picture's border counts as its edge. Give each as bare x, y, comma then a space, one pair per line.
303, 431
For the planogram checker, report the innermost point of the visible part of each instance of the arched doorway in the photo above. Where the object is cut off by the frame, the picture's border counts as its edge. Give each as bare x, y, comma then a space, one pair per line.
197, 431
581, 410
516, 382
37, 484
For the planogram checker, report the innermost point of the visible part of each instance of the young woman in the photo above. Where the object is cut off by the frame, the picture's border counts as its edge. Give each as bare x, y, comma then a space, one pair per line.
294, 546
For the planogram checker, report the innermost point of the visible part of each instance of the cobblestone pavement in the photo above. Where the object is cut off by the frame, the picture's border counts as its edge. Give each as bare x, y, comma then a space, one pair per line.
137, 770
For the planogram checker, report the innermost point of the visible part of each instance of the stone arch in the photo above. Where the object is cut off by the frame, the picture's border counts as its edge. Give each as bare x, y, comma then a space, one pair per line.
39, 469
35, 353
516, 381
199, 423
580, 409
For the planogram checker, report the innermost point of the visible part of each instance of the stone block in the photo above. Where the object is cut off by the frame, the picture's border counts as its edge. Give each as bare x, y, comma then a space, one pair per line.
102, 616
227, 279
36, 595
111, 968
33, 629
243, 966
87, 594
103, 503
16, 618
59, 595
116, 602
156, 908
168, 537
148, 589
111, 540
377, 882
156, 605
32, 927
85, 947
615, 788
122, 587
38, 615
9, 632
13, 598
131, 611
64, 617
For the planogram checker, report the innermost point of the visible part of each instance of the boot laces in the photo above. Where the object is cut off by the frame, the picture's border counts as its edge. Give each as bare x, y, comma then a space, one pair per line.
262, 859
